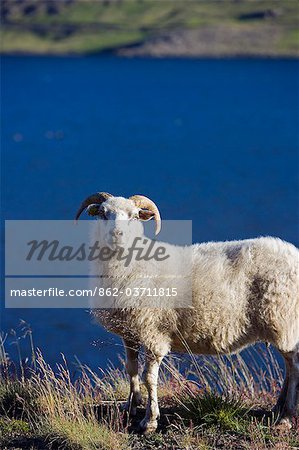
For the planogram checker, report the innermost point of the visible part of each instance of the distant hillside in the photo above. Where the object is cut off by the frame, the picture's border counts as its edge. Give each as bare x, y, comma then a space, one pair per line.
151, 27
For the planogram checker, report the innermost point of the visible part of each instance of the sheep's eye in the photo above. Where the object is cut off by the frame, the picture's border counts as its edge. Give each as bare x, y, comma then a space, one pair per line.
102, 214
131, 216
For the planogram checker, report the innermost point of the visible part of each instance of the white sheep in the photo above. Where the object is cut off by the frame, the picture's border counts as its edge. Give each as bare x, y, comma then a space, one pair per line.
242, 292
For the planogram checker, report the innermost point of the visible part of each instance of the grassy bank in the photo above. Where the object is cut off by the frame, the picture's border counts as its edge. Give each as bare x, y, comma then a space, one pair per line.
219, 28
218, 403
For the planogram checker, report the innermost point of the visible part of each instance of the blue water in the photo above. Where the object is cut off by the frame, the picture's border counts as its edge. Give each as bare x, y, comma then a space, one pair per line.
214, 141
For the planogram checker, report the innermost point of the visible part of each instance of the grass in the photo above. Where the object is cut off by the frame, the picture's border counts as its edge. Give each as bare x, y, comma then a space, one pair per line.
84, 434
211, 405
94, 26
89, 42
216, 411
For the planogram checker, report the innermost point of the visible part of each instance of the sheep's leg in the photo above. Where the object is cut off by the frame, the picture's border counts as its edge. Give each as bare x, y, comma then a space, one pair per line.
150, 421
292, 395
135, 398
279, 407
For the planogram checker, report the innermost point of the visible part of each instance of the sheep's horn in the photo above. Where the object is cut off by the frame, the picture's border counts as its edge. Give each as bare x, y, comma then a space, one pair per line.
145, 203
98, 197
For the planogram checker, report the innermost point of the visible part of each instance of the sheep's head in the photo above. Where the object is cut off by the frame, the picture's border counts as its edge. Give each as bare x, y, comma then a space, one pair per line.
121, 216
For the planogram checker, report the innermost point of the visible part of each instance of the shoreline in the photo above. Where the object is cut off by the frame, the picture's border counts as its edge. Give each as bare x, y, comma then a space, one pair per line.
114, 53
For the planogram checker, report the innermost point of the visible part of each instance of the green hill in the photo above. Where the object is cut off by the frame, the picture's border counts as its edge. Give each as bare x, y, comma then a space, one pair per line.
150, 27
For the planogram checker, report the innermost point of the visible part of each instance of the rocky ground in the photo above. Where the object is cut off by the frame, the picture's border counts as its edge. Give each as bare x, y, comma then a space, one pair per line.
211, 41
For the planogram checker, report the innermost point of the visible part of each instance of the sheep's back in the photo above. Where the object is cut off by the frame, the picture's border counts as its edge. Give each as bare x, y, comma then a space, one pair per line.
243, 291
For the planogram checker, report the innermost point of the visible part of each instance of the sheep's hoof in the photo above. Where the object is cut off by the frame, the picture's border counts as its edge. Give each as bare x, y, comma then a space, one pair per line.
148, 426
284, 424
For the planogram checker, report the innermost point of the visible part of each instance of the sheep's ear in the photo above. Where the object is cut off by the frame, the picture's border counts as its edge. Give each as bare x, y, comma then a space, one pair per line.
146, 214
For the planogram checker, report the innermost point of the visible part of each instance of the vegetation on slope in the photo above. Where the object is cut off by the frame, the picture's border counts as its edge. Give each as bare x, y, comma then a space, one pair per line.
217, 403
224, 27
